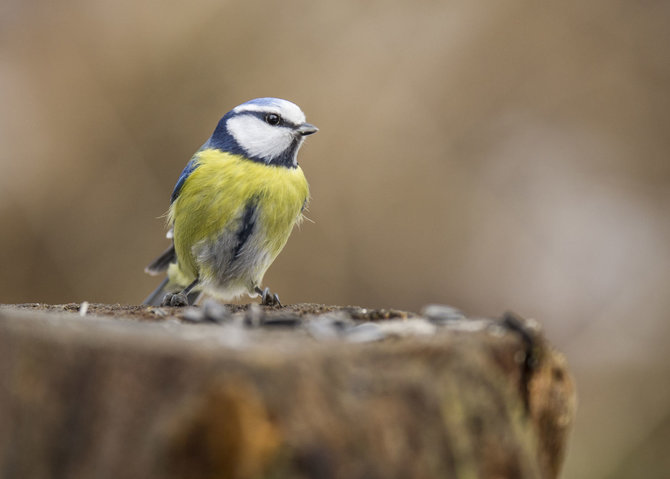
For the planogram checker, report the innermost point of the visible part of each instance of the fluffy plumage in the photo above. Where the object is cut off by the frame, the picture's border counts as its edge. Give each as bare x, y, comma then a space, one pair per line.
235, 203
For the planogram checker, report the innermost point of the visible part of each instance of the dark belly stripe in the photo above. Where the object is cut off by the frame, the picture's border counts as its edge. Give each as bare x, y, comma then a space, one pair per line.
247, 223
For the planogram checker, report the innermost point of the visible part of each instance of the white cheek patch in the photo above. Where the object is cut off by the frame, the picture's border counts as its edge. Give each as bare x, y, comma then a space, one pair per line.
258, 138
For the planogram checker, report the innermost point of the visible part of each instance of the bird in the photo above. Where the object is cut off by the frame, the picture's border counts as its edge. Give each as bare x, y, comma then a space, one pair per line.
234, 206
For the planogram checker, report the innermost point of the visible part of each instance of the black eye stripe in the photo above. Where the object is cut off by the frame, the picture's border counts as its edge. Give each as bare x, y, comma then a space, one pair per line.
262, 115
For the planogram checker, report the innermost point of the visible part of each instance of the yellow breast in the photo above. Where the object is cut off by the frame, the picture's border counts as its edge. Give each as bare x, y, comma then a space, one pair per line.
216, 193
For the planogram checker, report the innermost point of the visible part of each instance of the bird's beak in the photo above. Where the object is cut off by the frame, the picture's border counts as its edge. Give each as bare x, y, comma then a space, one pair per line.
307, 129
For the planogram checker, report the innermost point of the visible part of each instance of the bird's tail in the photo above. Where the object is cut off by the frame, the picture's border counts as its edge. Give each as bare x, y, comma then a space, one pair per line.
161, 263
156, 297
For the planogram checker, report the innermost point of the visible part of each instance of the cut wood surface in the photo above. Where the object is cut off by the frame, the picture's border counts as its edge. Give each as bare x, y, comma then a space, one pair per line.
302, 391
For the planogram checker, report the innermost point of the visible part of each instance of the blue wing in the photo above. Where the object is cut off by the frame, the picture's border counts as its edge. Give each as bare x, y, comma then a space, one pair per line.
190, 166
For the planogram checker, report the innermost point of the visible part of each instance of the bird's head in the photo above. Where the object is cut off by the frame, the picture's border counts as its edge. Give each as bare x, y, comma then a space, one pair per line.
267, 130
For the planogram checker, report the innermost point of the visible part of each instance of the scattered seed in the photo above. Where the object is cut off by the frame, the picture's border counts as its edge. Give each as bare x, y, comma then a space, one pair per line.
253, 316
160, 312
441, 313
364, 333
193, 315
215, 312
408, 327
323, 328
282, 320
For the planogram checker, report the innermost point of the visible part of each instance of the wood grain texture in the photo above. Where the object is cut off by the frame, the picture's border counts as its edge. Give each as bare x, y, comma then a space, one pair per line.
121, 396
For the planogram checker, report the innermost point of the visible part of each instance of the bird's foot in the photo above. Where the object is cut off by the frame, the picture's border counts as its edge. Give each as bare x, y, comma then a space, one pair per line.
268, 298
175, 299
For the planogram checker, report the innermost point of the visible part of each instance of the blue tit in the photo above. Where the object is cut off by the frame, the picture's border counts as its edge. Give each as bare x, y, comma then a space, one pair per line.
234, 205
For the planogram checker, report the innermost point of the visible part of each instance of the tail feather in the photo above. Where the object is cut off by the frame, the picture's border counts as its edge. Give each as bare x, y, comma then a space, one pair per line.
156, 297
161, 263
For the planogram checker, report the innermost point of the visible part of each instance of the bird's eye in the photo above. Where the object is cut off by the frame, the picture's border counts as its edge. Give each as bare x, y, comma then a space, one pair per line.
272, 119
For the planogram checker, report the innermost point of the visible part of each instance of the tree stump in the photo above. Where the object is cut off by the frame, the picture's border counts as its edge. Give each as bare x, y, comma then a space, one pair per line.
303, 391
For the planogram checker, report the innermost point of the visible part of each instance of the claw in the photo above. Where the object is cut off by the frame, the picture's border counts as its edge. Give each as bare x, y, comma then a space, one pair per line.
269, 298
175, 299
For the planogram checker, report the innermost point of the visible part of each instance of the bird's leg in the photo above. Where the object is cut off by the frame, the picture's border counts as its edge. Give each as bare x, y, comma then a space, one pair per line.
181, 298
268, 298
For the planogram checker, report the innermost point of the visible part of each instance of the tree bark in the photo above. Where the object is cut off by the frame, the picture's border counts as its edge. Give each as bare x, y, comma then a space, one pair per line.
275, 393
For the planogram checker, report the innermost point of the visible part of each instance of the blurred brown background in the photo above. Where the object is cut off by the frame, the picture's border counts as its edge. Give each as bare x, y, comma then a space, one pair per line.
487, 155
